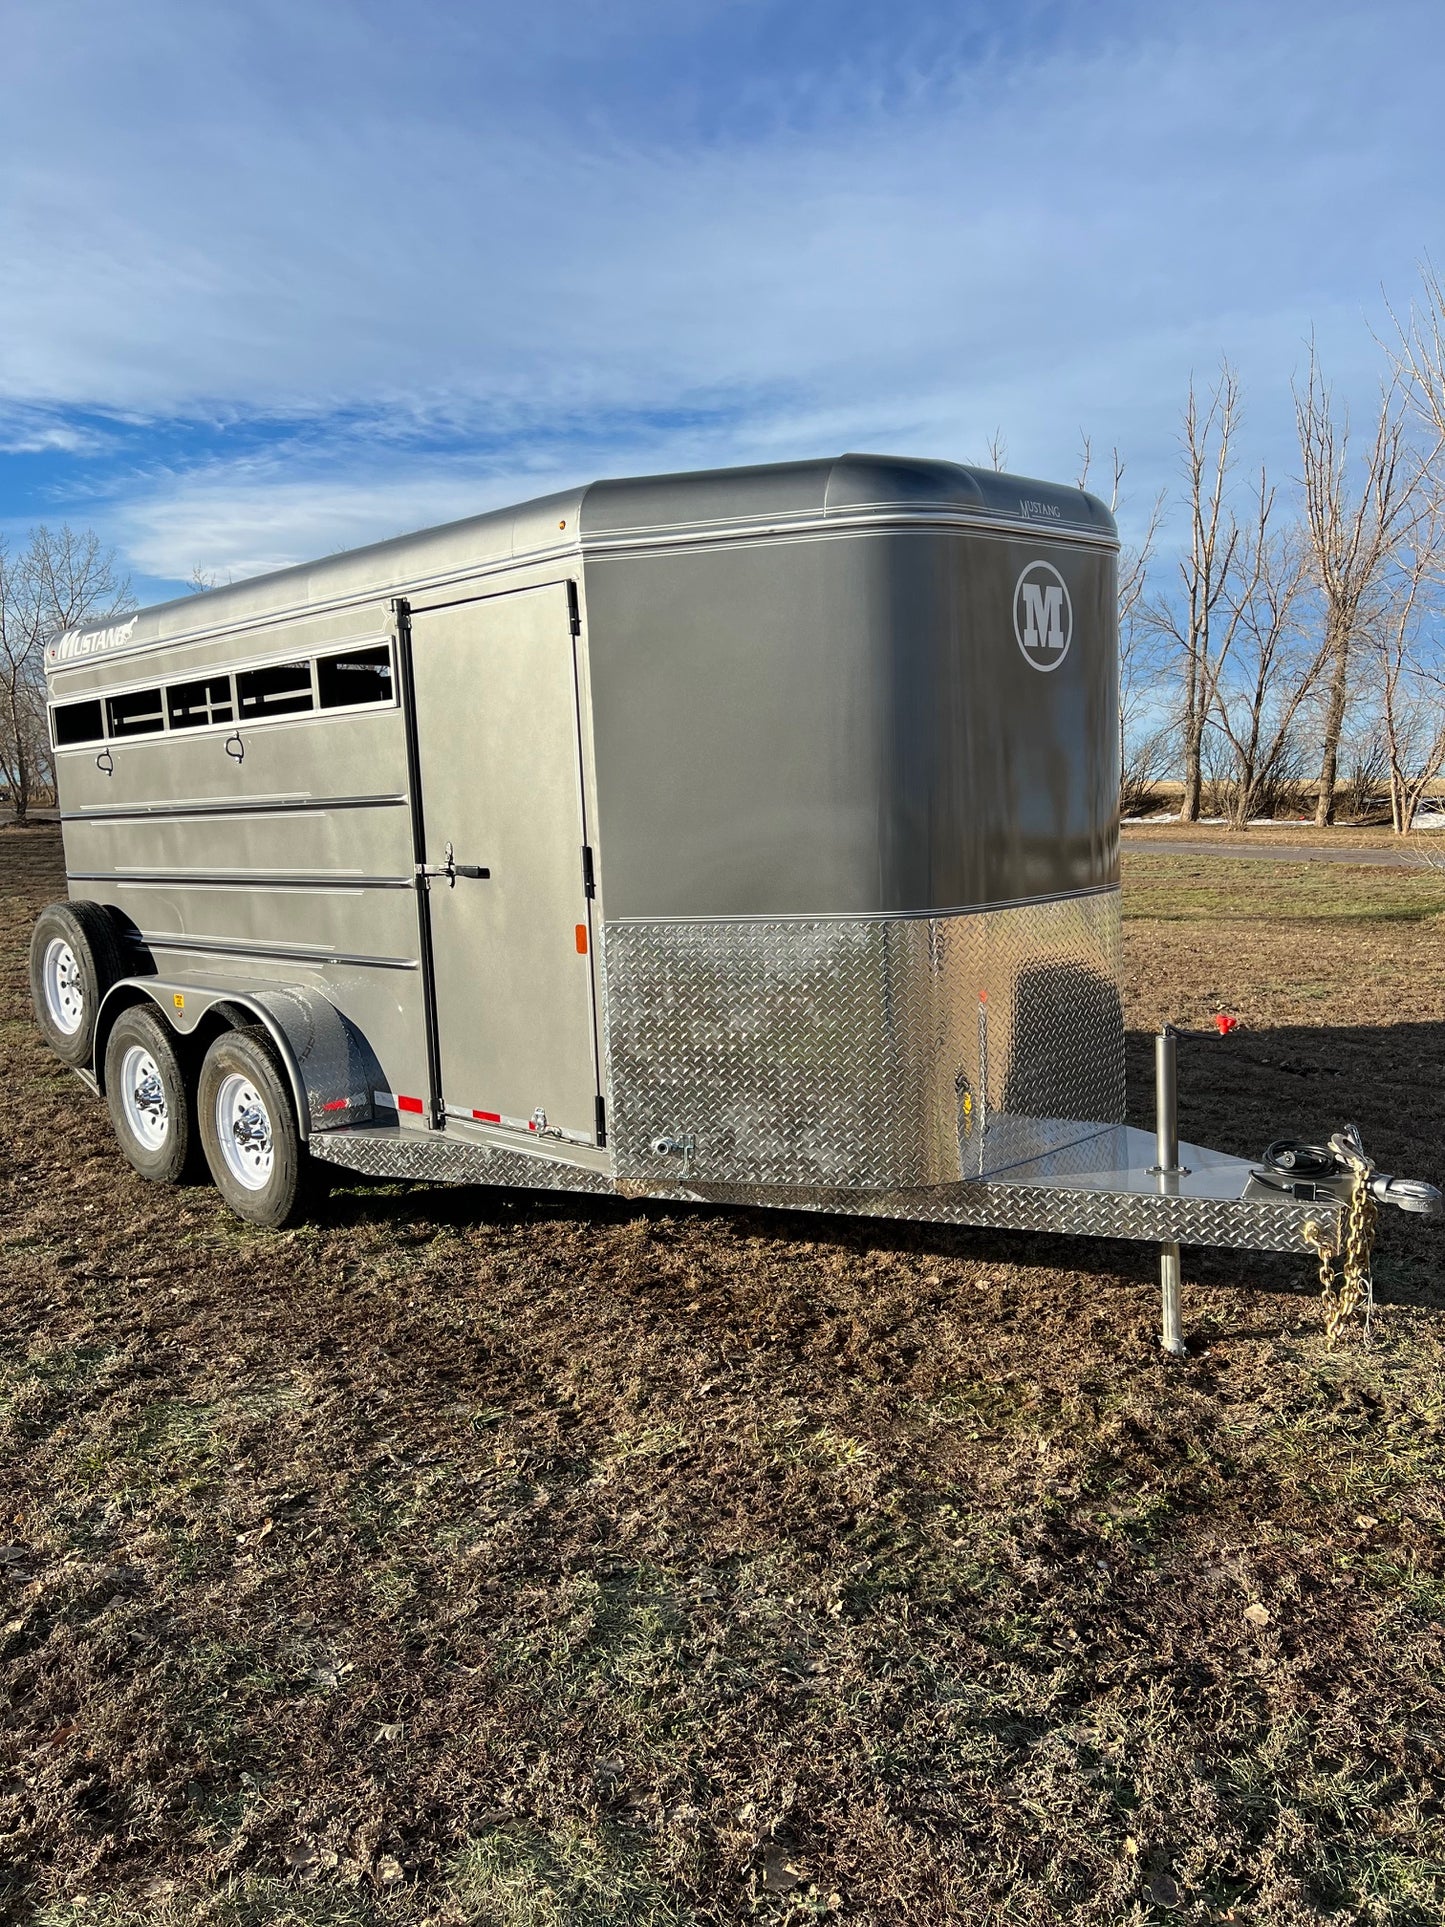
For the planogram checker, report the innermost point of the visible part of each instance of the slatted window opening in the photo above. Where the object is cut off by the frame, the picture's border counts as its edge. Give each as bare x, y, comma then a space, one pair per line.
81, 722
191, 705
360, 677
353, 677
276, 689
137, 713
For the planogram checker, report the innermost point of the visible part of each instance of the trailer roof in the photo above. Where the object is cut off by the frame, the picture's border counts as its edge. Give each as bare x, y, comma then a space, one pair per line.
607, 514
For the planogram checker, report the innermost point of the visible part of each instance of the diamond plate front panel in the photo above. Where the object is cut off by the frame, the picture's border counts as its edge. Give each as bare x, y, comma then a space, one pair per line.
881, 1052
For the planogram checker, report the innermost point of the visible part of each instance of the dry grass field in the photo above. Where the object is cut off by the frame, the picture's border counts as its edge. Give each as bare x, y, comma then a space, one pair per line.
466, 1557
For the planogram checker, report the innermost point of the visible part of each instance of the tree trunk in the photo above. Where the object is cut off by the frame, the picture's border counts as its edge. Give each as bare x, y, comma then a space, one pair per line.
22, 779
1193, 778
1334, 728
20, 798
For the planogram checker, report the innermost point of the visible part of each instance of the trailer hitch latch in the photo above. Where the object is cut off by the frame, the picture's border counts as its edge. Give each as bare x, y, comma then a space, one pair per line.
451, 869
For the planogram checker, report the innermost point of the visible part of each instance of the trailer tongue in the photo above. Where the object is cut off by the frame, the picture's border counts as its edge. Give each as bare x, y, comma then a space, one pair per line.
1113, 1182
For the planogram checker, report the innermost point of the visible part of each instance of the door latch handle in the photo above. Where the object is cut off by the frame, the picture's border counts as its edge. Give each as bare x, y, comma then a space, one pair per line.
451, 869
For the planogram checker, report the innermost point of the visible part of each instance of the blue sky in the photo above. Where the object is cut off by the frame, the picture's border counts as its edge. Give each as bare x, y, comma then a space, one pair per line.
281, 276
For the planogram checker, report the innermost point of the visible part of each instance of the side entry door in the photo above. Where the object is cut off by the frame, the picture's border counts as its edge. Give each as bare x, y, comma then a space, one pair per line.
501, 792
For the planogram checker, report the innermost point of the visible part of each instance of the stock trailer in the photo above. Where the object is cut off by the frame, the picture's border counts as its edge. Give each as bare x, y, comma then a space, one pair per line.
748, 836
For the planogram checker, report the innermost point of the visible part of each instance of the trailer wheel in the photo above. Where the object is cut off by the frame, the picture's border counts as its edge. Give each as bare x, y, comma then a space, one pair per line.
145, 1089
249, 1132
74, 959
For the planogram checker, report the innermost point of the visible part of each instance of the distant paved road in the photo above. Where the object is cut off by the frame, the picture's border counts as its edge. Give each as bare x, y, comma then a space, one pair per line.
1283, 852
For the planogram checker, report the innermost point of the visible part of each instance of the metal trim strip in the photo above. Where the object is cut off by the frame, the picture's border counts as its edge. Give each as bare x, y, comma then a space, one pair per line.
276, 952
237, 806
872, 916
237, 880
849, 522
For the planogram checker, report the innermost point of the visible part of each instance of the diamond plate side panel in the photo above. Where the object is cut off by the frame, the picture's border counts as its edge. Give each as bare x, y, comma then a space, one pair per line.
434, 1160
874, 1052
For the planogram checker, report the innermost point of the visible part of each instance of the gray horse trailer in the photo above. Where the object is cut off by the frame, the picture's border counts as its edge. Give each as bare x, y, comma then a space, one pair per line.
748, 835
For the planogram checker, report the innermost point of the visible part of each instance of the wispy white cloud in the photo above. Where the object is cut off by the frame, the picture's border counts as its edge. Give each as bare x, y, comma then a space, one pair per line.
39, 431
242, 525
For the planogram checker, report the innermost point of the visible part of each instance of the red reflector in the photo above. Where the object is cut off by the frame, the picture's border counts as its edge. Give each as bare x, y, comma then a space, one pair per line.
487, 1117
409, 1104
336, 1104
581, 940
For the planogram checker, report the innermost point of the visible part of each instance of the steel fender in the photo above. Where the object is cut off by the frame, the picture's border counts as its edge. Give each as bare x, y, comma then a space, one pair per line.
331, 1069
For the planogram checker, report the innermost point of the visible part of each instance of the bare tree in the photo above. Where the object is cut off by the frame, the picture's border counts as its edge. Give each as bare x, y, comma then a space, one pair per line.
1418, 355
1364, 759
1354, 530
1405, 645
58, 580
1269, 672
1200, 630
1144, 733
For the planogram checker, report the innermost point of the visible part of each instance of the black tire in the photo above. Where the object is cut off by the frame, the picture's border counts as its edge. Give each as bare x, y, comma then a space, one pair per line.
75, 957
148, 1095
265, 1176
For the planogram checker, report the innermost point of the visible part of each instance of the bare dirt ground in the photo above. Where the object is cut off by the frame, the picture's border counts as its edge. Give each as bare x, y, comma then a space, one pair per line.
463, 1557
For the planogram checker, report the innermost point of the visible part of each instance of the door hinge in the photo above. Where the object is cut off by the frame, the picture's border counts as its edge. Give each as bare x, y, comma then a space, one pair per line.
589, 881
601, 1122
574, 609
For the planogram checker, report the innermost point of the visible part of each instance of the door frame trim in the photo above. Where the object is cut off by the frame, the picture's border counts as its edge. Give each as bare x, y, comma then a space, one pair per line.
436, 1107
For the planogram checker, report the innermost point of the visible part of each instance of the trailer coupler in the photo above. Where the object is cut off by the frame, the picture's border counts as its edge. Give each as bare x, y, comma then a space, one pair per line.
1338, 1174
1310, 1171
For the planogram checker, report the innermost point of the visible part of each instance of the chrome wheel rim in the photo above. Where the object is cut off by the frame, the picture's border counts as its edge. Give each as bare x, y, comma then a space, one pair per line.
243, 1131
64, 992
143, 1098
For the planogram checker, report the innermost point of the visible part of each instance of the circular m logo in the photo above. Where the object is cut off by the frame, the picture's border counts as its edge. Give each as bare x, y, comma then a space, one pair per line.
1043, 615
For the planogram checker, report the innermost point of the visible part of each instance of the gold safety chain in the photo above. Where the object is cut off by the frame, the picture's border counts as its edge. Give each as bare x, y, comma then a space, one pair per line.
1342, 1293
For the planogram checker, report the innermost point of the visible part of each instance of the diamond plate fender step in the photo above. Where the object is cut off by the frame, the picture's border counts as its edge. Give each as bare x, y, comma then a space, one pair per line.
442, 1160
